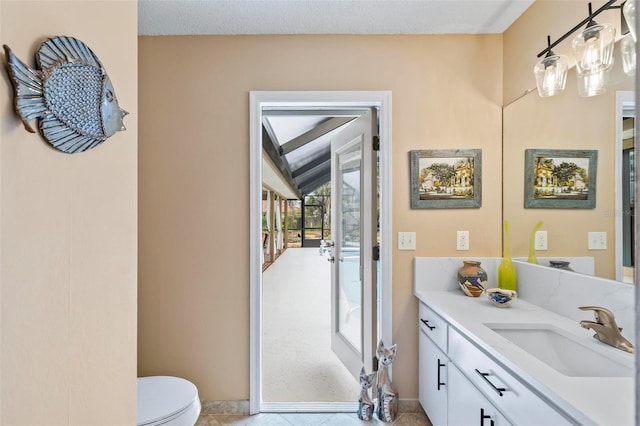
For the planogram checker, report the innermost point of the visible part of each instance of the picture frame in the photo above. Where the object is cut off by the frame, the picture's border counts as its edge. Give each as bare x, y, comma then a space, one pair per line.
560, 178
446, 178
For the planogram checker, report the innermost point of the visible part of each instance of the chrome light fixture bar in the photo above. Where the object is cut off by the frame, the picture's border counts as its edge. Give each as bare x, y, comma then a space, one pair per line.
593, 48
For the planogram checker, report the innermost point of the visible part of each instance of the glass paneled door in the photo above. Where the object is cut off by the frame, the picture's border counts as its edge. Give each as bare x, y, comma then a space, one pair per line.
354, 236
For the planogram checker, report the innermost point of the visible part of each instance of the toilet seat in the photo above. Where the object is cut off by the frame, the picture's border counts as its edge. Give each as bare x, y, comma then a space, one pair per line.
167, 400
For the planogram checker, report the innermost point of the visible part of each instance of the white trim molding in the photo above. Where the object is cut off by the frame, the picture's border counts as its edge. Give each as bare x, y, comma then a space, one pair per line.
259, 100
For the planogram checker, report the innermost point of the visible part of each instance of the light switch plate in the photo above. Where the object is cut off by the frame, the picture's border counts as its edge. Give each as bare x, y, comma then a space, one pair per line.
597, 240
406, 240
540, 240
462, 240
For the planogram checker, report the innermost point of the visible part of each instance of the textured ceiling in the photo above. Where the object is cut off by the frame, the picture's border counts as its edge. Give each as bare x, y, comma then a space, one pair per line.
198, 17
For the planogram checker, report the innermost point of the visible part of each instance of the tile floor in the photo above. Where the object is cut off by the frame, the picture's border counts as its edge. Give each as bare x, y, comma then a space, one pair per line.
286, 375
311, 419
298, 364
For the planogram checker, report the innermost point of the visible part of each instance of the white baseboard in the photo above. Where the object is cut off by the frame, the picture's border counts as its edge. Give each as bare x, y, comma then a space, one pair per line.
241, 408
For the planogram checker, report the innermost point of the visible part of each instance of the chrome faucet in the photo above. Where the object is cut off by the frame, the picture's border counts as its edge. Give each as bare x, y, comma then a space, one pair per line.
607, 331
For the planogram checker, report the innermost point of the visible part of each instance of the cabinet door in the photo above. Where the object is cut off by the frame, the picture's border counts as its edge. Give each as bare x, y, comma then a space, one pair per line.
432, 390
523, 406
467, 406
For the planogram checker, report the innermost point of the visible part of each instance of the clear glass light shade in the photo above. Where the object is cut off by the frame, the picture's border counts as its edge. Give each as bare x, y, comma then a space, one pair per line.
591, 84
593, 48
629, 12
551, 74
628, 53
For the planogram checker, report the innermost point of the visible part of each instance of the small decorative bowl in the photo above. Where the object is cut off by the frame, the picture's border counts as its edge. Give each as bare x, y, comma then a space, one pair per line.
501, 297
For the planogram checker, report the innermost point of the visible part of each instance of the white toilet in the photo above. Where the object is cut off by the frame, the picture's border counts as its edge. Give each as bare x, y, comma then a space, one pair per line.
167, 401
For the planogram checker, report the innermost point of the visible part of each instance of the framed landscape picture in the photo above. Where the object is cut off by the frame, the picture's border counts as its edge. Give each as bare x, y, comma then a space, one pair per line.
560, 179
446, 178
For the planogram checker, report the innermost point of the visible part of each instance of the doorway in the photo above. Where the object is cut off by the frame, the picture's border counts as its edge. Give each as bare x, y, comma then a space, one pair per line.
314, 224
259, 101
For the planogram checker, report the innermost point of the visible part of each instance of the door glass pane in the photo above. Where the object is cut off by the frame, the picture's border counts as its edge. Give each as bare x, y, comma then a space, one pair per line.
313, 225
294, 223
349, 266
313, 217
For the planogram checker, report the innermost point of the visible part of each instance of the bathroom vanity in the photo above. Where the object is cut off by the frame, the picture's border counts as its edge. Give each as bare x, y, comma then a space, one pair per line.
528, 364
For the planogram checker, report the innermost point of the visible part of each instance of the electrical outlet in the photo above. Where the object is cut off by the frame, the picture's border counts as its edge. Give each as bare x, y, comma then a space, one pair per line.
597, 240
406, 240
540, 240
462, 240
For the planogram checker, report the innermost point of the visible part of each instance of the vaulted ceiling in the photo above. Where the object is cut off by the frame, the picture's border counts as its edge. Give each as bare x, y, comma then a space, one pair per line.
298, 143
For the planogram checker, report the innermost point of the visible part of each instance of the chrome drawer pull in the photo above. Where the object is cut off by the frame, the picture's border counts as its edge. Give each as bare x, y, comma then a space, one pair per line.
484, 416
426, 322
484, 376
439, 382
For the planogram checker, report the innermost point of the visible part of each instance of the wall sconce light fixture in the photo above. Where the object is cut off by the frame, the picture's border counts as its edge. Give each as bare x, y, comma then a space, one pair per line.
551, 73
628, 52
629, 13
593, 50
628, 43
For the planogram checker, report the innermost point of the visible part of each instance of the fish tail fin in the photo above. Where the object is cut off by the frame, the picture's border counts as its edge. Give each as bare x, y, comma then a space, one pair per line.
28, 88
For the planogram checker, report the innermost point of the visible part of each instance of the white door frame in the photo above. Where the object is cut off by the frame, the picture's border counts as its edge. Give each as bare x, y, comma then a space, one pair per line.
625, 107
263, 99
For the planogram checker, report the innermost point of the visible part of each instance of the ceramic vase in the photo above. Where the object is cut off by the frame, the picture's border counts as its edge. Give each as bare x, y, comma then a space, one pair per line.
560, 264
507, 275
472, 278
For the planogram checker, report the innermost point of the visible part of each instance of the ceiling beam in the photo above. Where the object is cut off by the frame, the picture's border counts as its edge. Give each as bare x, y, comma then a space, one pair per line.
312, 186
279, 161
313, 175
324, 158
320, 130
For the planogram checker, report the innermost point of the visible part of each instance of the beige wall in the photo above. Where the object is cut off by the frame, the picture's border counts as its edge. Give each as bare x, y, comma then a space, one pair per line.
68, 229
194, 170
565, 121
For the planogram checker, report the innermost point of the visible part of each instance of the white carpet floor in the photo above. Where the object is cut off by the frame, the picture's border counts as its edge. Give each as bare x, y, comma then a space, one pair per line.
298, 364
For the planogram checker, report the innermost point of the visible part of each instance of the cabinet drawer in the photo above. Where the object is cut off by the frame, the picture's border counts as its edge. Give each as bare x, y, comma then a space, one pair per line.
506, 392
467, 406
433, 326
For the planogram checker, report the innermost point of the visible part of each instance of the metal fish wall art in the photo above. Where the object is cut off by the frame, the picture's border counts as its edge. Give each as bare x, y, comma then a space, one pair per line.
70, 94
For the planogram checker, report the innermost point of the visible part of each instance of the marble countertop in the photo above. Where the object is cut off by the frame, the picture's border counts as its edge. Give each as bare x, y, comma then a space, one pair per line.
590, 400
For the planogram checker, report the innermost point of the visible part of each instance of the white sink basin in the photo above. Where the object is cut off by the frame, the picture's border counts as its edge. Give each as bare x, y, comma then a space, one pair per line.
567, 354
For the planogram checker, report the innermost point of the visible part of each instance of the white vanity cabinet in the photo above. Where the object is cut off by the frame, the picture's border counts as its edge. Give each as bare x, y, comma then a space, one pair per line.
432, 391
433, 364
506, 391
459, 384
467, 406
